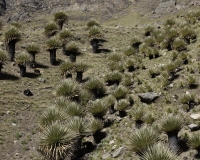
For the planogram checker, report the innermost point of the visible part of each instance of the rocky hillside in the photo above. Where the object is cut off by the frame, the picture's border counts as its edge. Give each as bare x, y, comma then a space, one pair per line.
13, 10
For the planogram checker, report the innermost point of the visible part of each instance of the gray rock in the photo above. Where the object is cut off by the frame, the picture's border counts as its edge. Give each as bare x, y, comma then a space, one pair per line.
105, 156
148, 97
41, 80
195, 116
118, 152
193, 126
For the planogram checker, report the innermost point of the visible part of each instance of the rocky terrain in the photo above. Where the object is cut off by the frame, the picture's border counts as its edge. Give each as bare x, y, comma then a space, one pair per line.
13, 10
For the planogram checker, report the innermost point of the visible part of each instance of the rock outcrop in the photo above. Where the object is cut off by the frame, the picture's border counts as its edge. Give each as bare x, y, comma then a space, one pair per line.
22, 9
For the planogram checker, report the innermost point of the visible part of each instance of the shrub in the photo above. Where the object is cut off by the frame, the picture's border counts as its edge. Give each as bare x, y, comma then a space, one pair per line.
179, 45
56, 143
194, 141
68, 88
12, 35
122, 105
50, 29
60, 18
52, 44
22, 59
98, 109
93, 22
120, 92
141, 139
157, 152
130, 51
95, 33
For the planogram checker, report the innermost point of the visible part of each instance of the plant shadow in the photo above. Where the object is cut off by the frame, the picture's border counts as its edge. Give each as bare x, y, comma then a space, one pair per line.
31, 75
39, 65
7, 76
103, 51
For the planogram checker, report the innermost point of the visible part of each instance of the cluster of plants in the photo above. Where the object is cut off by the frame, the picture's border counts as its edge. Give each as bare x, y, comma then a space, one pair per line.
81, 109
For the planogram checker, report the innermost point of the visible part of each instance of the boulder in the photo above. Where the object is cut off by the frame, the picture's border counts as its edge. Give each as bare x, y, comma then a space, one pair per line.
148, 97
195, 116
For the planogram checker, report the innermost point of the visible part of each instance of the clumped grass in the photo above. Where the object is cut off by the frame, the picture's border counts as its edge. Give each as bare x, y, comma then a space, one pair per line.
50, 29
141, 139
93, 22
12, 35
98, 108
194, 141
159, 151
23, 59
120, 92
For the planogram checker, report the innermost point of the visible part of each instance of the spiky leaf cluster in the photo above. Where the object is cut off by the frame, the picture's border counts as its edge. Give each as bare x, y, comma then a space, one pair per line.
23, 59
95, 33
60, 17
72, 47
32, 48
3, 57
52, 44
157, 152
56, 143
120, 92
50, 29
96, 125
12, 35
98, 108
65, 35
122, 105
141, 139
93, 22
81, 67
171, 123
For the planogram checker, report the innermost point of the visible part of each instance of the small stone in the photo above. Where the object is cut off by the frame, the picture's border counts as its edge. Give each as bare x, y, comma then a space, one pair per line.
41, 80
195, 116
111, 142
118, 152
105, 156
7, 112
148, 97
15, 141
187, 92
113, 147
16, 154
14, 124
193, 126
171, 85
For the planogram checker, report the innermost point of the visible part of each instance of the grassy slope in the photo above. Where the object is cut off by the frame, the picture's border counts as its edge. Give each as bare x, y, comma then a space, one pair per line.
19, 142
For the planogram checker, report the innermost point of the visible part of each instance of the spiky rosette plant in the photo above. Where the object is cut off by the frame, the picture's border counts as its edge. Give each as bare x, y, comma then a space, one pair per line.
73, 50
115, 57
159, 152
148, 30
61, 102
57, 143
98, 109
85, 96
94, 35
188, 34
113, 78
32, 49
50, 116
120, 92
129, 52
138, 116
69, 89
67, 68
130, 64
80, 68
135, 43
3, 59
192, 82
11, 37
113, 66
96, 87
171, 34
127, 80
22, 60
149, 41
95, 127
141, 139
149, 117
179, 44
60, 18
169, 22
50, 29
109, 101
93, 22
171, 125
122, 105
65, 36
78, 126
153, 72
188, 99
52, 45
73, 109
194, 142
